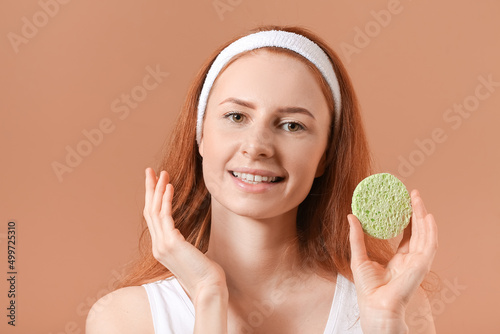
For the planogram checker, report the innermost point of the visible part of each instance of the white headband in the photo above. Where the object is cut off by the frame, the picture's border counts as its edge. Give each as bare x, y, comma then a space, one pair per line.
278, 38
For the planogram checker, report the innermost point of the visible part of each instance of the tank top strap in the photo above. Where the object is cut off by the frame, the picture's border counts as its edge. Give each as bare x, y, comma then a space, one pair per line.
344, 313
171, 309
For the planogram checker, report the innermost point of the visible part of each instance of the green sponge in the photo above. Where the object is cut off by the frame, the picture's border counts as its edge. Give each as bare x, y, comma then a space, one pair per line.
382, 204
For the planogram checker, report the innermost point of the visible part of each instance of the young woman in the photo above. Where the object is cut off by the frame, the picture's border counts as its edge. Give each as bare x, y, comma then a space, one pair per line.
258, 235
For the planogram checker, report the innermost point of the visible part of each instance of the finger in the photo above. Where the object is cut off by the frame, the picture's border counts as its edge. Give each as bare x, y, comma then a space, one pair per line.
404, 244
414, 231
166, 207
150, 186
432, 237
420, 211
357, 241
427, 251
420, 228
159, 191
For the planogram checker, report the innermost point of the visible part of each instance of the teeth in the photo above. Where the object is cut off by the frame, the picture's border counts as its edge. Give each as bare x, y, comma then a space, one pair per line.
254, 179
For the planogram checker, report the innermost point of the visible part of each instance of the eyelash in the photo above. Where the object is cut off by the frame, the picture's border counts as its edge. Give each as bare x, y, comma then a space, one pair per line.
232, 113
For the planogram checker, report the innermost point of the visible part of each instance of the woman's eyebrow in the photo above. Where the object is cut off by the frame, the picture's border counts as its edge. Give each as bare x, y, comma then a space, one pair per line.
283, 110
238, 101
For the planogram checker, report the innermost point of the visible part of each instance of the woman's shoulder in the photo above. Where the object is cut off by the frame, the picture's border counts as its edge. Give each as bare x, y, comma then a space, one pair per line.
125, 310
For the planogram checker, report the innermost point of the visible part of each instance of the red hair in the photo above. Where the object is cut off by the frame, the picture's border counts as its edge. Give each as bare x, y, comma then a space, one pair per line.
322, 226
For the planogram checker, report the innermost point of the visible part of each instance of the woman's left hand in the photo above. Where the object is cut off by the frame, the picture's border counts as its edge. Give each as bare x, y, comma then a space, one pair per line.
385, 291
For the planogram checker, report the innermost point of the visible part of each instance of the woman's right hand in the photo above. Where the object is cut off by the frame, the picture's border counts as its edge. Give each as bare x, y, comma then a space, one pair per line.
197, 274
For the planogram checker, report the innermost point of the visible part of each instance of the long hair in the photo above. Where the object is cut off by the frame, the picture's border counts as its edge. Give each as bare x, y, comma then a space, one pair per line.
322, 226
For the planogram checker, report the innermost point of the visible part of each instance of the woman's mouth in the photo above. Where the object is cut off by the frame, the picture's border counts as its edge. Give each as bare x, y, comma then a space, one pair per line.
256, 179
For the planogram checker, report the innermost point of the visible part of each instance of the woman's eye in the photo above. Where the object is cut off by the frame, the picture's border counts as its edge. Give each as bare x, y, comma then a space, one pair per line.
235, 117
293, 127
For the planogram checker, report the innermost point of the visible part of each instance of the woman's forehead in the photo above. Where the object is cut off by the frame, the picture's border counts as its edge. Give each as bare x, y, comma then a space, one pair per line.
265, 72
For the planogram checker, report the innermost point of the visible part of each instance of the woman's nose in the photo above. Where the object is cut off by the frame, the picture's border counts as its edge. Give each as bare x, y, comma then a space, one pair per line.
257, 142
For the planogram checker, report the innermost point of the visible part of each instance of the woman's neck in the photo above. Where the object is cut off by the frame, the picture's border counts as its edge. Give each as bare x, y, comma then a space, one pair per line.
257, 254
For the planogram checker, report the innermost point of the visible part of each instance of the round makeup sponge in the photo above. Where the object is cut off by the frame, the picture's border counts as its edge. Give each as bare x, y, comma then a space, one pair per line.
382, 205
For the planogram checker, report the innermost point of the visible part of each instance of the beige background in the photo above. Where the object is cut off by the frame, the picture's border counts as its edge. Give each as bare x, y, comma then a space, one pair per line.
74, 232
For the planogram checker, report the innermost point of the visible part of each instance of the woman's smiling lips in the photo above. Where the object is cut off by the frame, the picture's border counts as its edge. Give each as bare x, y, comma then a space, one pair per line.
255, 180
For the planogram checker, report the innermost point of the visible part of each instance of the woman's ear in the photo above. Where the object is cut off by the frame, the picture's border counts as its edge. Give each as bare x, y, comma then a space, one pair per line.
321, 166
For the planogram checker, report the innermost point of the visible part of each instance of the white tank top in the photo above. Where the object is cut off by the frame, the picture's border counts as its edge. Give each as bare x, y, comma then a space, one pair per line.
173, 312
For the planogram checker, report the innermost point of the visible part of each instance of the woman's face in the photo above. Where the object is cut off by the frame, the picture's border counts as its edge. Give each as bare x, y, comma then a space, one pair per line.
264, 135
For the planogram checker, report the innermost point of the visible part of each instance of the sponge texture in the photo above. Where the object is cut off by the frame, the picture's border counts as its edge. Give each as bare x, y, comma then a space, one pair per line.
382, 204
